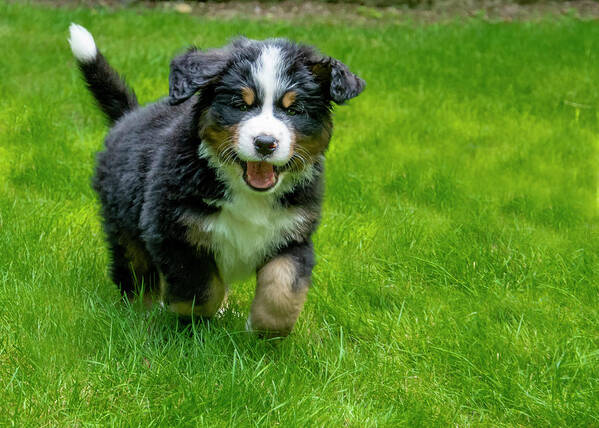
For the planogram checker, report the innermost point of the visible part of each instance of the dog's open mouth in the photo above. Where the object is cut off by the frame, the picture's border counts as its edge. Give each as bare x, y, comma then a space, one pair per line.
260, 176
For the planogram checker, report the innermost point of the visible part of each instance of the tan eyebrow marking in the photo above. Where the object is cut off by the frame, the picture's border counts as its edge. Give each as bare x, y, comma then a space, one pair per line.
288, 99
248, 95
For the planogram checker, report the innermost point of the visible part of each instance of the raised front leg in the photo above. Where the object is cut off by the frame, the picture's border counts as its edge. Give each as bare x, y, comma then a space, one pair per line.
281, 289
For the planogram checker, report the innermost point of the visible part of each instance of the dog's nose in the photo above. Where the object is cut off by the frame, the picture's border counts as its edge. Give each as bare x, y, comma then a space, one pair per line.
265, 144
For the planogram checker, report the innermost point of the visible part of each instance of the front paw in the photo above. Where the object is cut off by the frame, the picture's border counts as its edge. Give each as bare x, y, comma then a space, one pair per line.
265, 331
279, 299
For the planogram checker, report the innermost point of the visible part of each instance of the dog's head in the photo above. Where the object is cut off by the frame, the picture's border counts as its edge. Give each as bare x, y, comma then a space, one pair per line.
264, 106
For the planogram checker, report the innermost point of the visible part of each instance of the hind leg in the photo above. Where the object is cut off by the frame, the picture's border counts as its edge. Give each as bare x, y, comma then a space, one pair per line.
131, 267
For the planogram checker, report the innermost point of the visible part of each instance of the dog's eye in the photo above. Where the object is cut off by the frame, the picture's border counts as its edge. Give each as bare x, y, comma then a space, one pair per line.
293, 111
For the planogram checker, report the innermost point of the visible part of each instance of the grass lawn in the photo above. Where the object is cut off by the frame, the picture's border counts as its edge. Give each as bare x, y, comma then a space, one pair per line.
457, 279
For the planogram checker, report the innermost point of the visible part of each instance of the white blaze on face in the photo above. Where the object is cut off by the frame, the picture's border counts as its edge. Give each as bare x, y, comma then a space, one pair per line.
267, 72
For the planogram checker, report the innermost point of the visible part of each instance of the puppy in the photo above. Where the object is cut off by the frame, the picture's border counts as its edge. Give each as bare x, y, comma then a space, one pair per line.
222, 179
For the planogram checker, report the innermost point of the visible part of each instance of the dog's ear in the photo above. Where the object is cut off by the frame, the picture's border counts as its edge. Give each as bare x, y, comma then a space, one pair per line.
335, 77
195, 70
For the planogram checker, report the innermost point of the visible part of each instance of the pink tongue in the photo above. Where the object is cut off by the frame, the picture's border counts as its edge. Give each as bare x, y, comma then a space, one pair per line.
261, 175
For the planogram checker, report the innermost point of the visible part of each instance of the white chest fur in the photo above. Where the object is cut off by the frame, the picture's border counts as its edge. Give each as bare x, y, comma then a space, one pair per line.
246, 230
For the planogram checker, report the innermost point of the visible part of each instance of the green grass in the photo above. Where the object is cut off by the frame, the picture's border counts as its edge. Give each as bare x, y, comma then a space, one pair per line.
457, 279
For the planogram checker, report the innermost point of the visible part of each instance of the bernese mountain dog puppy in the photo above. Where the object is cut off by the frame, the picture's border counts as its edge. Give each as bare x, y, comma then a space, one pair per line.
220, 180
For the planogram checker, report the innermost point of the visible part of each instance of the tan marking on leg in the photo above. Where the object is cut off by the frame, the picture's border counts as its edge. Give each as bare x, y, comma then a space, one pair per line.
217, 290
140, 265
277, 305
163, 287
248, 95
288, 99
136, 254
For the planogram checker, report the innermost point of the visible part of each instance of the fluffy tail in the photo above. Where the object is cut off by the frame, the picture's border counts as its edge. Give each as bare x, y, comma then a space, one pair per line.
114, 97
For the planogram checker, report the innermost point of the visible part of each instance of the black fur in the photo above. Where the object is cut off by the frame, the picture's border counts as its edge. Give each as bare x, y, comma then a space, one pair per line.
195, 70
146, 178
113, 95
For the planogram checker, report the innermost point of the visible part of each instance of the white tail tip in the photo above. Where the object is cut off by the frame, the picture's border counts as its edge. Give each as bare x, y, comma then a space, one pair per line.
82, 43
